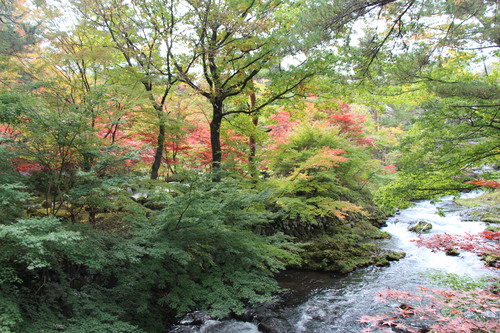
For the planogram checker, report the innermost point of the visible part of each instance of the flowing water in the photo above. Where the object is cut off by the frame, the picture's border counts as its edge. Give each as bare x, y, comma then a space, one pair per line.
321, 302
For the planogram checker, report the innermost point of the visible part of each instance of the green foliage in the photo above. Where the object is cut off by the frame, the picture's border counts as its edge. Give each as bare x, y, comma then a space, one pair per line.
27, 247
33, 243
194, 249
93, 309
407, 186
320, 175
204, 235
11, 107
455, 134
10, 313
13, 198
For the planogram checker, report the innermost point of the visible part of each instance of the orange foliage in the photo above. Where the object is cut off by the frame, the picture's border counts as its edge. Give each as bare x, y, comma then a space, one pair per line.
485, 183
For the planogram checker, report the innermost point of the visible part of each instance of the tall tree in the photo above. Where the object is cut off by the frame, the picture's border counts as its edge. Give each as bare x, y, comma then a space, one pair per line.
143, 31
232, 42
443, 55
455, 135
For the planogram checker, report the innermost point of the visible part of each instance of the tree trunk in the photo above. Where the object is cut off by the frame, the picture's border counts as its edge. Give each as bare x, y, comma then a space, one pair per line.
215, 143
159, 147
251, 142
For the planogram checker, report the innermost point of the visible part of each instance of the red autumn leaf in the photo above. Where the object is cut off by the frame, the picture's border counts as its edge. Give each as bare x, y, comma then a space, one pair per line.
485, 183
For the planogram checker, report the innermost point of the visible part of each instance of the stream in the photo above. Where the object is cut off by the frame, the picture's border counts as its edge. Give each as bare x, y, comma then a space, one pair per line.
326, 302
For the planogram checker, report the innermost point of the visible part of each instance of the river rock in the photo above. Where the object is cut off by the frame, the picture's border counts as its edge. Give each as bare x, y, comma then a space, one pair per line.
421, 226
275, 325
183, 329
394, 255
491, 259
228, 326
451, 251
195, 318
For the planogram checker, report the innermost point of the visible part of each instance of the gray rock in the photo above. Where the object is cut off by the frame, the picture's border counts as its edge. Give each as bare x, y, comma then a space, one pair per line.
195, 318
275, 325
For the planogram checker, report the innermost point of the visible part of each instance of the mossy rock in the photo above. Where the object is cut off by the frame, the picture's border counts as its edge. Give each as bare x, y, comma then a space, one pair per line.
382, 263
384, 235
485, 207
487, 199
344, 247
490, 218
491, 259
421, 226
343, 255
451, 251
388, 257
493, 228
395, 256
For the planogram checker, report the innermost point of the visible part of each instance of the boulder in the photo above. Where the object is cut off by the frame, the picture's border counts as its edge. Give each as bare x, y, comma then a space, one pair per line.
275, 325
195, 318
395, 256
421, 226
451, 251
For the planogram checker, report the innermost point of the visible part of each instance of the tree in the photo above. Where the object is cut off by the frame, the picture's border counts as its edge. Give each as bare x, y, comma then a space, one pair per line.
319, 168
456, 132
145, 34
234, 42
441, 68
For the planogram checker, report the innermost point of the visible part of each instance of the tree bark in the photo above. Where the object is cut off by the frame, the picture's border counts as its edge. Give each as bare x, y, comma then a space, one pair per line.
215, 142
252, 142
155, 167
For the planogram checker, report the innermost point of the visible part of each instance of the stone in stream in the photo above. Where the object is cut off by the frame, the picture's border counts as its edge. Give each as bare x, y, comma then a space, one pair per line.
451, 251
195, 318
421, 226
275, 325
183, 329
491, 259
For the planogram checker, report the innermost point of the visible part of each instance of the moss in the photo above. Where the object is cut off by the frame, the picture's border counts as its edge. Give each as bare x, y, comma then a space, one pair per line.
486, 199
421, 226
451, 251
492, 228
394, 256
323, 255
490, 218
370, 247
335, 254
491, 259
383, 235
346, 248
486, 207
382, 263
